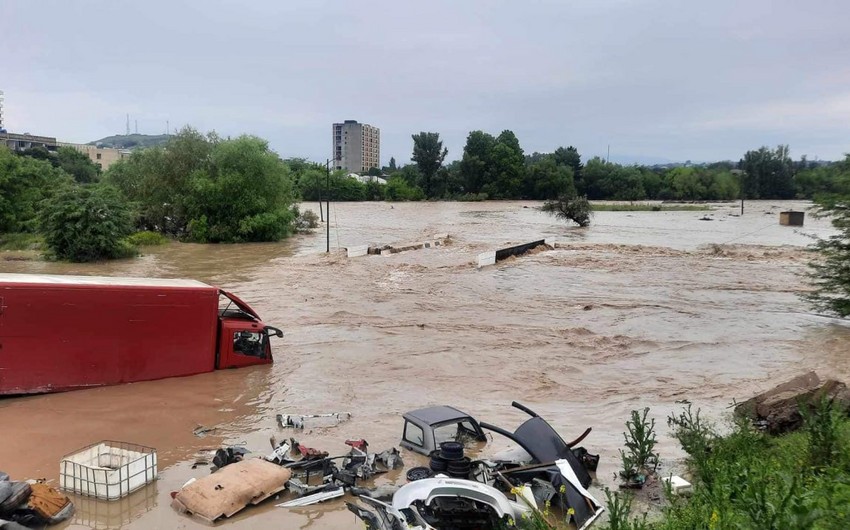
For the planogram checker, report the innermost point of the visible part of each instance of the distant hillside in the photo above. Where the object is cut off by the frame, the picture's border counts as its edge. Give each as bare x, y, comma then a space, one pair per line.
131, 141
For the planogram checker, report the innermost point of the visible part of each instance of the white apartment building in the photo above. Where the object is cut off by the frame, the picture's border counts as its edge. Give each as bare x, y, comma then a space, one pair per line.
356, 146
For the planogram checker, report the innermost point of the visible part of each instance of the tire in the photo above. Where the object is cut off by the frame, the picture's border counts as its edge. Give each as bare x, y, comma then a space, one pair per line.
419, 473
438, 464
451, 450
460, 468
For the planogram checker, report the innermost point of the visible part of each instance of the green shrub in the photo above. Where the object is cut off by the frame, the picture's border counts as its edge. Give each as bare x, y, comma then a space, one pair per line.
86, 223
306, 220
146, 238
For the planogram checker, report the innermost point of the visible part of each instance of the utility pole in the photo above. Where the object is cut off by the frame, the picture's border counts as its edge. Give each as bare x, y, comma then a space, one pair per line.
128, 125
137, 126
328, 204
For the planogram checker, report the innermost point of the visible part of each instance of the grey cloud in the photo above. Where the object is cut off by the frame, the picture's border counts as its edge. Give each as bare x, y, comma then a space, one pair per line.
673, 80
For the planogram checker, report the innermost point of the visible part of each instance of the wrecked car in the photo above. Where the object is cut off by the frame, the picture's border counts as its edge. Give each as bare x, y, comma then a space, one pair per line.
426, 428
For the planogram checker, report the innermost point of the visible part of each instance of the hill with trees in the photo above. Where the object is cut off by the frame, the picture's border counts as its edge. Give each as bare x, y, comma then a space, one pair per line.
132, 141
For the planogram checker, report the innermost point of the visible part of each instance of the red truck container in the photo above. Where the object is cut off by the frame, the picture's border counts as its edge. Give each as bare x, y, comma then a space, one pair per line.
68, 332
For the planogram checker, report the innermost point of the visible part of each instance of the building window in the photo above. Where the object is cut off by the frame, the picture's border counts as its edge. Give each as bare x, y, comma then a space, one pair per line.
98, 156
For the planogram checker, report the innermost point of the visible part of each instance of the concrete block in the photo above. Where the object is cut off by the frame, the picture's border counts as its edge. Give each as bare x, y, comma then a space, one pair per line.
359, 250
487, 258
678, 485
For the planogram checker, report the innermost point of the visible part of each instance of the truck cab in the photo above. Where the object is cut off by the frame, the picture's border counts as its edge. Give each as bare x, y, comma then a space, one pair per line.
243, 339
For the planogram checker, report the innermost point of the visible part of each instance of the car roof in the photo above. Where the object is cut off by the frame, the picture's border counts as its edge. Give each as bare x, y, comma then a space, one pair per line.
435, 415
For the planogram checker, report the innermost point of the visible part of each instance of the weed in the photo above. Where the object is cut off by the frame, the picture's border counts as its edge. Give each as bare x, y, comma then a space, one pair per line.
640, 441
146, 238
619, 507
822, 422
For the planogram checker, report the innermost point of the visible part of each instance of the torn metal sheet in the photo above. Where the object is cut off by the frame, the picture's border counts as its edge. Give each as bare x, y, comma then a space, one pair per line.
312, 421
315, 498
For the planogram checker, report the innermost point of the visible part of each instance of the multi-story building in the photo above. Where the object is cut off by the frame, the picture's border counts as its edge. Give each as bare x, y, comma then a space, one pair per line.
102, 156
1, 110
356, 146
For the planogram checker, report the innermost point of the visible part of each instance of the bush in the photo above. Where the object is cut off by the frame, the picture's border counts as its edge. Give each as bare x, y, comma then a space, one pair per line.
576, 209
306, 220
398, 189
87, 223
146, 238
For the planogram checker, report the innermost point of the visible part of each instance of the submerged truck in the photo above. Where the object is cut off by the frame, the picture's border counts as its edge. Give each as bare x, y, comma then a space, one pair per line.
61, 333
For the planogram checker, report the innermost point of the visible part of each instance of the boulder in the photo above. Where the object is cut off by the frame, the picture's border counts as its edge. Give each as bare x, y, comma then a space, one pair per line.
778, 409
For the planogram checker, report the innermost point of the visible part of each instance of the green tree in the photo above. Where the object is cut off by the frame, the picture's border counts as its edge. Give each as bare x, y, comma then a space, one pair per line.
570, 157
597, 176
399, 189
769, 173
24, 183
507, 169
86, 223
77, 165
428, 154
686, 184
476, 164
392, 166
830, 273
157, 180
546, 179
243, 195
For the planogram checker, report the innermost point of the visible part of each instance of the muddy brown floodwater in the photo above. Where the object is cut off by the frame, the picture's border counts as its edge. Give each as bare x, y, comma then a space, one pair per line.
640, 309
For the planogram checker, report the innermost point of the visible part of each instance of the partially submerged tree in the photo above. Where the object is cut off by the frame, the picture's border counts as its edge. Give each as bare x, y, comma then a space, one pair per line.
830, 275
570, 208
87, 223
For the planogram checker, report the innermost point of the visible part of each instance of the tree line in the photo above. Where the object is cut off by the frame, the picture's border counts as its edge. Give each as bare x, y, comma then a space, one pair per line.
496, 167
204, 188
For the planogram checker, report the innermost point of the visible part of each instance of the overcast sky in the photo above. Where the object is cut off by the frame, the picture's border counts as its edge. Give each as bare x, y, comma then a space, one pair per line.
656, 80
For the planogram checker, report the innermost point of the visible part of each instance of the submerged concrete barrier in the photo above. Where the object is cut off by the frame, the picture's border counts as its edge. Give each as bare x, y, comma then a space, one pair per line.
492, 256
436, 240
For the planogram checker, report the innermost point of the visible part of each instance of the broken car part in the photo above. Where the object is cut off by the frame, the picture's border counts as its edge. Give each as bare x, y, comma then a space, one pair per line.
231, 489
542, 442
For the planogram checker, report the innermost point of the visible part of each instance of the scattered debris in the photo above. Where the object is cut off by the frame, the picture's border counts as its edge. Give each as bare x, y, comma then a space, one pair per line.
229, 455
441, 503
328, 492
200, 431
308, 453
778, 410
231, 489
312, 421
36, 504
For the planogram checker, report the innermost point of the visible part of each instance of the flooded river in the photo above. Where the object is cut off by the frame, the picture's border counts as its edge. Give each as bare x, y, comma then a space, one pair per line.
640, 309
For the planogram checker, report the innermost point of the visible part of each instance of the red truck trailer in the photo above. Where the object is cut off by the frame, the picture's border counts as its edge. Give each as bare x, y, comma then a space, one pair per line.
62, 333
